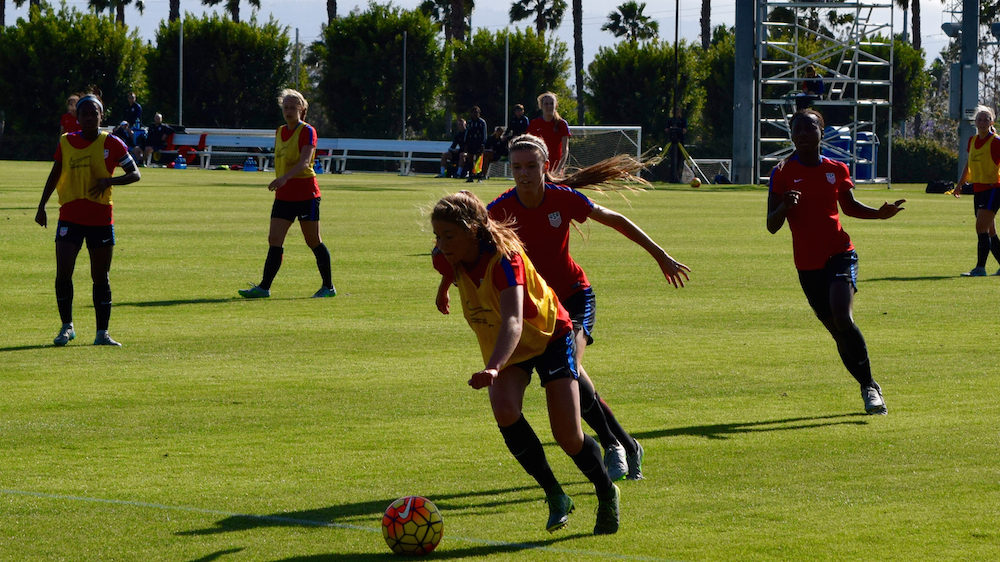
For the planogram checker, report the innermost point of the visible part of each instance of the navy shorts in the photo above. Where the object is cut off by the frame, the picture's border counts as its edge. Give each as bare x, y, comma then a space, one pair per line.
989, 200
555, 363
582, 308
817, 282
307, 210
96, 236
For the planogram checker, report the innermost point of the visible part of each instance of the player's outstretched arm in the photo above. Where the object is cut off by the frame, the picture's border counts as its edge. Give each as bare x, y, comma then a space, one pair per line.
443, 299
854, 208
673, 270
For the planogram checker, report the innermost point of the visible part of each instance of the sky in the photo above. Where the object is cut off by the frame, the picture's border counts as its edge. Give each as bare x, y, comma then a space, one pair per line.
308, 16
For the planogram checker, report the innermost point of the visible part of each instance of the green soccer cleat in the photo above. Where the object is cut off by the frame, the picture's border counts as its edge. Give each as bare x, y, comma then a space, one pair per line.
254, 292
607, 512
66, 333
635, 463
330, 291
559, 509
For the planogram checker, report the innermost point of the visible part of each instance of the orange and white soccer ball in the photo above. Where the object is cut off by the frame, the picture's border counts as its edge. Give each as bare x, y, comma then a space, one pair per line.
412, 525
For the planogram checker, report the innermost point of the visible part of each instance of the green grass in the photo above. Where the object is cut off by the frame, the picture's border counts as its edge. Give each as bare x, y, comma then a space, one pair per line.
280, 429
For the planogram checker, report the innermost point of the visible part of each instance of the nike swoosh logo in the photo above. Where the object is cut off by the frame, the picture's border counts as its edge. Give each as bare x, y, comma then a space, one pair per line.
105, 241
798, 180
554, 371
406, 512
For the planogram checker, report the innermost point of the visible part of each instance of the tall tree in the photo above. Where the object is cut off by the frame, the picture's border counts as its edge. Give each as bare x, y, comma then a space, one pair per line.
458, 20
331, 11
548, 14
18, 3
232, 6
175, 10
706, 24
440, 13
630, 22
578, 59
118, 6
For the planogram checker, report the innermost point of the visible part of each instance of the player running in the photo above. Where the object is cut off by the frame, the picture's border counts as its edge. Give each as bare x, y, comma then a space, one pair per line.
296, 195
983, 169
82, 175
542, 207
521, 327
805, 190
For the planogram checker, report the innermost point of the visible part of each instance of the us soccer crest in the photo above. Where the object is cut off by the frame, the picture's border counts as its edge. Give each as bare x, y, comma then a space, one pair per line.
831, 177
555, 219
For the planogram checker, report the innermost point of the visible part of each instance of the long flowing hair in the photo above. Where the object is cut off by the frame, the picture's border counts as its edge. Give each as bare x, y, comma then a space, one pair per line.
467, 211
617, 173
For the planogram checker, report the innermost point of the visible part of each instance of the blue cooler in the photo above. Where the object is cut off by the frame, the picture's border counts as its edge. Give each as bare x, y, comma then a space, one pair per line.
867, 149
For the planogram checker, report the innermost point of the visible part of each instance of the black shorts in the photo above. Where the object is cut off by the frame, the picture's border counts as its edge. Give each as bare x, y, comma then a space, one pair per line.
307, 210
816, 283
474, 149
582, 308
96, 236
989, 200
555, 363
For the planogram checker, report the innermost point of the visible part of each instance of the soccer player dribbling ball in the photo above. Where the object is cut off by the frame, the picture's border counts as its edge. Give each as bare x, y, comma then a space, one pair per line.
521, 327
296, 195
82, 176
805, 190
983, 169
543, 206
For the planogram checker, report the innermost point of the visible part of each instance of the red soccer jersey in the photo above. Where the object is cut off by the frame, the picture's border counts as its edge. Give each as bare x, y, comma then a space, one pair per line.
545, 230
815, 222
509, 273
69, 123
552, 132
299, 189
85, 211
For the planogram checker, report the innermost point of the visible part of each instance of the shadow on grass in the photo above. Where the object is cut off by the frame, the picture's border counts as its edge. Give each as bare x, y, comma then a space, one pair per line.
217, 555
451, 554
921, 278
724, 430
176, 302
360, 188
27, 347
344, 515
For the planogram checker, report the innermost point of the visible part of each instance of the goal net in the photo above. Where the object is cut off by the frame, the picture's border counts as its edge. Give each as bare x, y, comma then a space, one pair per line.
591, 144
707, 170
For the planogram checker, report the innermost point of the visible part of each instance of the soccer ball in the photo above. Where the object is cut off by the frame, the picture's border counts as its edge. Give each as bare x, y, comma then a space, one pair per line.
412, 525
695, 182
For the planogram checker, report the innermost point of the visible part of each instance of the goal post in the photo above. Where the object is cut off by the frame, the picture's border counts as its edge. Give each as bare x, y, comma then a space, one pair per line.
591, 144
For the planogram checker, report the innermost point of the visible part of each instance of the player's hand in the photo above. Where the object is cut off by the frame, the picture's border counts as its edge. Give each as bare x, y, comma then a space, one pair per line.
674, 271
791, 198
100, 187
443, 300
957, 192
41, 218
889, 210
277, 184
483, 378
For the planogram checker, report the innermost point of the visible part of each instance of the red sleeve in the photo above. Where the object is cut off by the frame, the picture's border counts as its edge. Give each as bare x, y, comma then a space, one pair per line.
579, 206
442, 266
308, 136
566, 124
509, 273
995, 149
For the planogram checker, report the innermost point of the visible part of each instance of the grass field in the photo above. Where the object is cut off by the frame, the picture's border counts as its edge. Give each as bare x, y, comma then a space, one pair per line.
280, 429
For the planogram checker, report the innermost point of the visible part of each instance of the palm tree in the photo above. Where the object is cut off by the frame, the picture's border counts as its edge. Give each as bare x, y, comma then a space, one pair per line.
706, 24
578, 58
458, 20
118, 6
631, 23
440, 13
175, 10
232, 6
548, 14
331, 11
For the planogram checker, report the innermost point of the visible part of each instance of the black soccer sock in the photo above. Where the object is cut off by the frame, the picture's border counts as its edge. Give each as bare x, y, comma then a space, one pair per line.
854, 353
102, 304
523, 443
591, 412
588, 460
64, 299
271, 266
623, 436
995, 247
983, 249
323, 263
